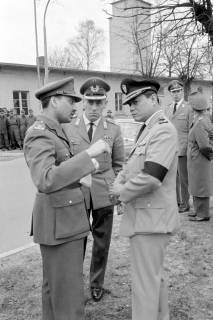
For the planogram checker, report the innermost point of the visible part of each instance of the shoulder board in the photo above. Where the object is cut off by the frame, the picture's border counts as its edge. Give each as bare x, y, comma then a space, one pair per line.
39, 125
162, 120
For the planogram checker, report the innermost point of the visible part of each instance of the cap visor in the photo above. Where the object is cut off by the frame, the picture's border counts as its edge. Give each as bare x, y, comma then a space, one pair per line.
76, 98
95, 97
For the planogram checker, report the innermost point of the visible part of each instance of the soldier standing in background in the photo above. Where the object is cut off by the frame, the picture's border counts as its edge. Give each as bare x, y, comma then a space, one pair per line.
180, 114
82, 132
14, 133
200, 154
30, 118
4, 141
22, 125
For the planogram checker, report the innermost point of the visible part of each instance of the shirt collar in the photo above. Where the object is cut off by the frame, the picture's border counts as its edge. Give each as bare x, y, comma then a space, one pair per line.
178, 103
87, 121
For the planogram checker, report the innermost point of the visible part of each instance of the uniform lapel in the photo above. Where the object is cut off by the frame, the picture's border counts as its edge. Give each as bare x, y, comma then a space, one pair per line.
55, 128
179, 110
83, 130
147, 130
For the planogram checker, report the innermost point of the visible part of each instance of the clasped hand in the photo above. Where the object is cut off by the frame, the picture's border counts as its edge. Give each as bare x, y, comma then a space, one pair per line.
98, 147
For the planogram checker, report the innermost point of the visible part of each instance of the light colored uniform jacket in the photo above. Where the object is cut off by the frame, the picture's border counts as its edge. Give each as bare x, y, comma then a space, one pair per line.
110, 164
59, 213
150, 205
182, 120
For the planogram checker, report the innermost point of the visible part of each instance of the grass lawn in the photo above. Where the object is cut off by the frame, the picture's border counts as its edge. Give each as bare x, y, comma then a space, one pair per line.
189, 268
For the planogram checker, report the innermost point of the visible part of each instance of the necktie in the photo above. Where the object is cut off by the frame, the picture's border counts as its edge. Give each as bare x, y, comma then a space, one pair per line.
90, 131
175, 108
140, 131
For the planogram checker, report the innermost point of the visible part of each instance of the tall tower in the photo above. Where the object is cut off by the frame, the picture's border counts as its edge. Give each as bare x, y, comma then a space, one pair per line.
129, 38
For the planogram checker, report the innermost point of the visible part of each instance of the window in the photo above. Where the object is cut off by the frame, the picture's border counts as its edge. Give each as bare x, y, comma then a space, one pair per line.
118, 101
20, 101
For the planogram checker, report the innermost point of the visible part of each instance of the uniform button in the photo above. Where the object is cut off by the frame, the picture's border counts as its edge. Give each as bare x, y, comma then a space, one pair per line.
70, 201
148, 205
67, 154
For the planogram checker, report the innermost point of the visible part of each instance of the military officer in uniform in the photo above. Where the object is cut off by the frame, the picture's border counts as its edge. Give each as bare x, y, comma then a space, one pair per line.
14, 133
147, 187
180, 114
200, 154
22, 125
30, 118
60, 221
82, 132
4, 141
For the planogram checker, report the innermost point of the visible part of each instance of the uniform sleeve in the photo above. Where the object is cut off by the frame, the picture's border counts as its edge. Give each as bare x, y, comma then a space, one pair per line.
161, 152
202, 139
118, 152
39, 151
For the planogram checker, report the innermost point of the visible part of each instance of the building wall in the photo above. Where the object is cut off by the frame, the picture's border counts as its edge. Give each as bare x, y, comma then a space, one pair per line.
124, 55
23, 77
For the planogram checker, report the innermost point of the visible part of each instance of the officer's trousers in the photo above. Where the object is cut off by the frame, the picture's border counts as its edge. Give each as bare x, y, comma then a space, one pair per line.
149, 289
201, 206
102, 220
4, 141
62, 289
14, 135
183, 179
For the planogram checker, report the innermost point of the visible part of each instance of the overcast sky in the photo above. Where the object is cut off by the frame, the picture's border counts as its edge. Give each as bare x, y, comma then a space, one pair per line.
17, 33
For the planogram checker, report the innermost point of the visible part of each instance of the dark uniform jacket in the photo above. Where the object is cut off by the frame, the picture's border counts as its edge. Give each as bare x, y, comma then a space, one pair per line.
110, 164
182, 120
30, 120
59, 213
199, 157
3, 125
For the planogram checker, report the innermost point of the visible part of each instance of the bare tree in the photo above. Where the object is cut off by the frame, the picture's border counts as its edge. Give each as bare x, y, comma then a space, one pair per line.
83, 51
182, 12
62, 58
87, 45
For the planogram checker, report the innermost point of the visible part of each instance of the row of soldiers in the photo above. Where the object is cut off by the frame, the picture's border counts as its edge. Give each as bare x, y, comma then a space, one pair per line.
13, 128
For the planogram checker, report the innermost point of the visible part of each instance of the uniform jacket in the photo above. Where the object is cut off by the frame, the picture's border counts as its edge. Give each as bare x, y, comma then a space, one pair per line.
13, 121
59, 213
30, 120
199, 156
23, 122
110, 164
182, 120
150, 205
3, 125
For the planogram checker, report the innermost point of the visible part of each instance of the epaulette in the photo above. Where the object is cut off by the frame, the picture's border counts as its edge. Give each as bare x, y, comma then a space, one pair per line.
39, 125
162, 120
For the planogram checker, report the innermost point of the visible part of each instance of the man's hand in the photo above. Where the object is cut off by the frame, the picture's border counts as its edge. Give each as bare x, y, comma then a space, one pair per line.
116, 188
97, 148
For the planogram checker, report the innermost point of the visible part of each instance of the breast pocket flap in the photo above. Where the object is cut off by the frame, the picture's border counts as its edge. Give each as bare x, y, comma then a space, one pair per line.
66, 198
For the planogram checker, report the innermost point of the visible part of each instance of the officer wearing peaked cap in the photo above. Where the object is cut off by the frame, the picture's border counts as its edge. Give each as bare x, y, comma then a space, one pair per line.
146, 186
60, 223
82, 132
180, 114
199, 155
